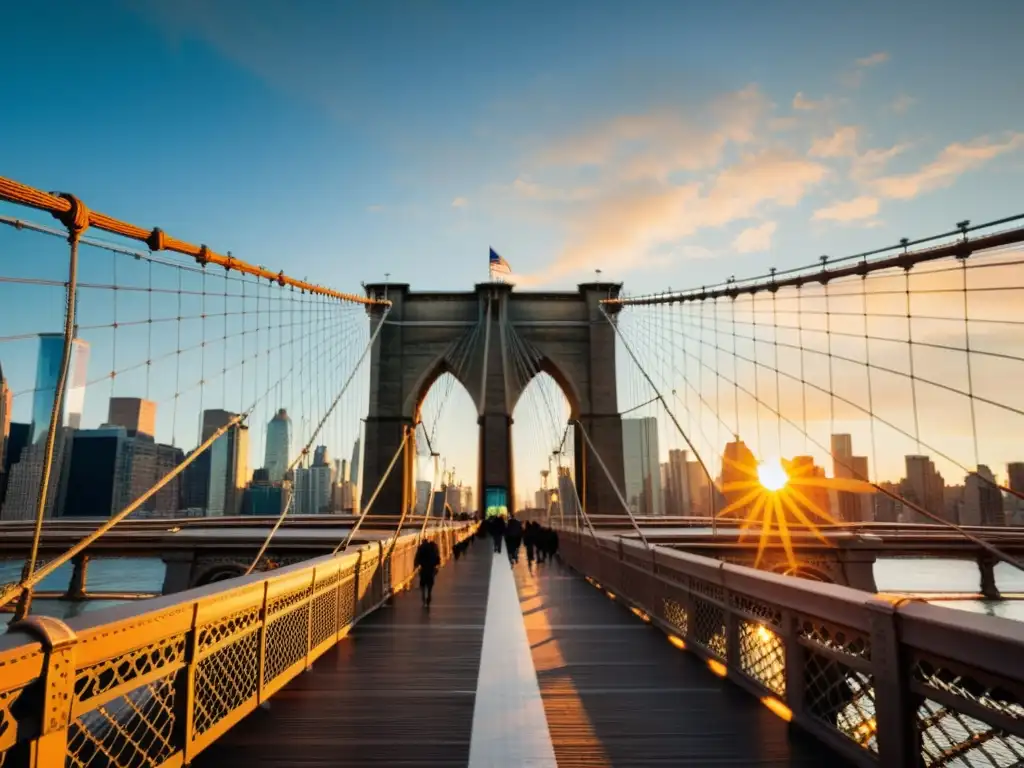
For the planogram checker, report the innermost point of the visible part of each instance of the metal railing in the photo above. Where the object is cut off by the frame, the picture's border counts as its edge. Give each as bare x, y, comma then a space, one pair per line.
883, 683
155, 682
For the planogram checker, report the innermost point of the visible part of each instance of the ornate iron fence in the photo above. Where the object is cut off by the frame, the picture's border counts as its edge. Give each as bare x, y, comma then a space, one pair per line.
883, 683
152, 683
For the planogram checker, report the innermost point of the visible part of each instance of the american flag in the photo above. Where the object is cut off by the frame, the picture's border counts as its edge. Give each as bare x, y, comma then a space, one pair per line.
498, 264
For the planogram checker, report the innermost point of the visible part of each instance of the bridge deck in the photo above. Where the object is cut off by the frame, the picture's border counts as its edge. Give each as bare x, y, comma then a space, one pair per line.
402, 689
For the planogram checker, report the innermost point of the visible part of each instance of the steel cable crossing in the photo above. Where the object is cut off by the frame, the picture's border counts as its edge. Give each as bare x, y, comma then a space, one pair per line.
915, 354
192, 354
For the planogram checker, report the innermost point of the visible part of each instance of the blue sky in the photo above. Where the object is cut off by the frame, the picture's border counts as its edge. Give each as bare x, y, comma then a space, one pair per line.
665, 143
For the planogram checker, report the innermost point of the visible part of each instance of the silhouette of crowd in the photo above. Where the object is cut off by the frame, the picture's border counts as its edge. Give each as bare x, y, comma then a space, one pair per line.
540, 542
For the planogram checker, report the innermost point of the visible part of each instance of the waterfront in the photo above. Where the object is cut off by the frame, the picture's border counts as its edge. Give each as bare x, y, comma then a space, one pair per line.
929, 578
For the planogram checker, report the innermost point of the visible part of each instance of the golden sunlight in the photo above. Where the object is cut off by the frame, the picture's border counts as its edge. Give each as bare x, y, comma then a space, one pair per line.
776, 496
771, 475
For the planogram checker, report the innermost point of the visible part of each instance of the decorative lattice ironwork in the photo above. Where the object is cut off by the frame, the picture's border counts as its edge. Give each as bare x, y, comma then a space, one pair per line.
8, 725
835, 638
951, 738
675, 614
841, 697
763, 656
943, 676
229, 626
766, 614
347, 603
709, 627
225, 680
133, 731
327, 580
286, 642
287, 600
99, 678
324, 619
708, 590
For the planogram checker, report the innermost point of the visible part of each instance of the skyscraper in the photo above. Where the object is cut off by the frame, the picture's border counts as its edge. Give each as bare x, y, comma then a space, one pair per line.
136, 415
641, 465
99, 465
51, 351
279, 432
5, 420
923, 485
320, 457
738, 466
229, 471
850, 507
983, 501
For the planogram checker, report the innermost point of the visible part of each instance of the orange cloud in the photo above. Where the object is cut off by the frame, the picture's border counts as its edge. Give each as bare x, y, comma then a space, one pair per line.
842, 143
873, 59
863, 207
951, 163
805, 104
755, 239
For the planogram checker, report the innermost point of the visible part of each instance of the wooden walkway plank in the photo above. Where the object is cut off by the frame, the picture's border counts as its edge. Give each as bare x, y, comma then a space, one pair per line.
617, 693
398, 691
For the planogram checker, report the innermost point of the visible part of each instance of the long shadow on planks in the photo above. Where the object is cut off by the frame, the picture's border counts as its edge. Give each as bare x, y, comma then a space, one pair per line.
617, 694
398, 691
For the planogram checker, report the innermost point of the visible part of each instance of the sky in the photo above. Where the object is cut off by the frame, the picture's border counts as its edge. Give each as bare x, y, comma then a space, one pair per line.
668, 144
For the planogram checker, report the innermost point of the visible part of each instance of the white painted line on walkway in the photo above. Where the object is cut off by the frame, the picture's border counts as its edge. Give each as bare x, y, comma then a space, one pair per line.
510, 727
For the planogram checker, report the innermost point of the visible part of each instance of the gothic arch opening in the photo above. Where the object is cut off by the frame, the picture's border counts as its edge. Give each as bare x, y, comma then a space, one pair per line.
446, 425
543, 444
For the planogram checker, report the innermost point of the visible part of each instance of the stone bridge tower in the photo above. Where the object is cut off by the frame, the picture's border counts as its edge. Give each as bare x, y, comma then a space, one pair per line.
485, 338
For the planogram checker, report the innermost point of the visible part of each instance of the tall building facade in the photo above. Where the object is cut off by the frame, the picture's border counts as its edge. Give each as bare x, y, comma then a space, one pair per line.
677, 486
738, 466
924, 486
850, 507
6, 404
278, 449
136, 415
99, 467
642, 466
229, 471
51, 352
983, 501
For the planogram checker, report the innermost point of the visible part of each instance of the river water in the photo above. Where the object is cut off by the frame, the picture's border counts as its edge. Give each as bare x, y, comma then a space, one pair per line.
928, 578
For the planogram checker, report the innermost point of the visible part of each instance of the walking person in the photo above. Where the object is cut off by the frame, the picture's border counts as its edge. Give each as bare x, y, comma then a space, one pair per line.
428, 560
497, 525
530, 541
513, 538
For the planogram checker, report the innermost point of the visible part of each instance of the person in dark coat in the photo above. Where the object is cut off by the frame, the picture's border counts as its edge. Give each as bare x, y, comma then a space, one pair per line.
513, 538
530, 540
497, 531
428, 560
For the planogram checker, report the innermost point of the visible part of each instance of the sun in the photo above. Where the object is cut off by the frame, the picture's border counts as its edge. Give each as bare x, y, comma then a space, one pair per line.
773, 498
771, 475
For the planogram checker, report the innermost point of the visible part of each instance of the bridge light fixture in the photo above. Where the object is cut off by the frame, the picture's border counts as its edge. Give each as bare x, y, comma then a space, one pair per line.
771, 475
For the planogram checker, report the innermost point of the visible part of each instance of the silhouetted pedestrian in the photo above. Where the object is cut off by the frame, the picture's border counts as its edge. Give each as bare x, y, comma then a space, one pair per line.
530, 540
497, 524
513, 538
428, 560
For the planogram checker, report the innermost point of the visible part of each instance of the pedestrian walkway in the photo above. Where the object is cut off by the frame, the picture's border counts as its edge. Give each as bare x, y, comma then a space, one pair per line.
510, 667
398, 691
616, 693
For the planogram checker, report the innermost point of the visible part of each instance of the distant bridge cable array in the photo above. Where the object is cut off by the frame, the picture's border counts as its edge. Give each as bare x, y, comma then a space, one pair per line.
827, 348
161, 332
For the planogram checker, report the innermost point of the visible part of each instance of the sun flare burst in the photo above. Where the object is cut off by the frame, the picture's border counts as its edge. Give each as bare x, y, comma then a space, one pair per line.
774, 497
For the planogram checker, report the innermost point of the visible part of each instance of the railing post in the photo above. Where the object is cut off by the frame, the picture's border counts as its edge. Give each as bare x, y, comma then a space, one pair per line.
58, 688
79, 578
309, 619
261, 643
895, 715
184, 700
795, 659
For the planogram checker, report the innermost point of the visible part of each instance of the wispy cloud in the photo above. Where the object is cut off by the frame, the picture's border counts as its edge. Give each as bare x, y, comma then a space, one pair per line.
374, 208
755, 239
854, 77
873, 60
857, 209
901, 104
805, 104
460, 202
842, 143
950, 164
